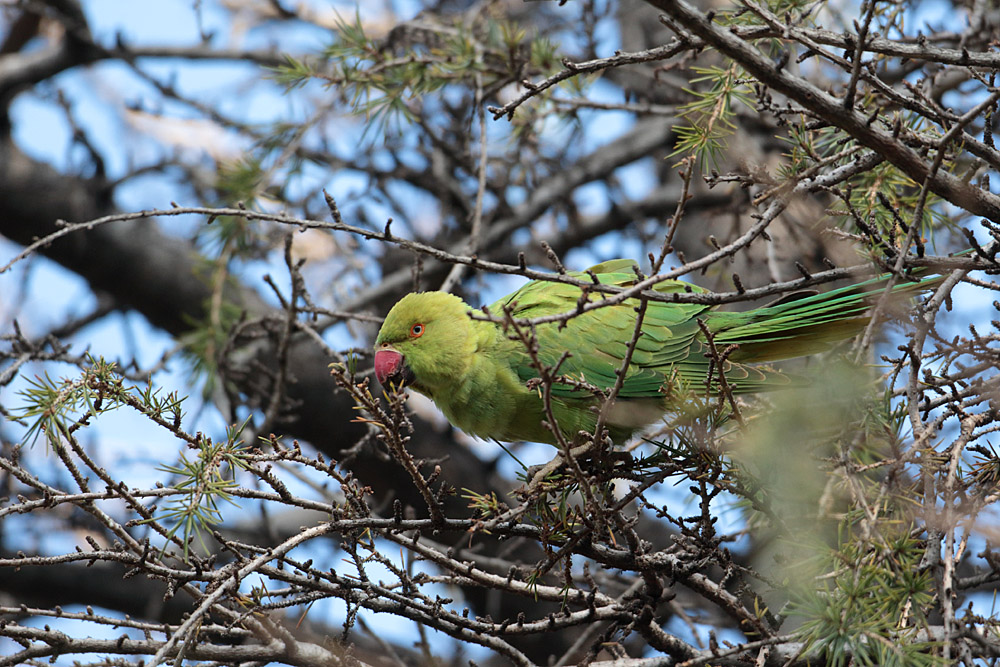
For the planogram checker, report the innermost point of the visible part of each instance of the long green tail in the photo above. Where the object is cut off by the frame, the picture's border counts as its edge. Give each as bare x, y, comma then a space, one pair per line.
808, 324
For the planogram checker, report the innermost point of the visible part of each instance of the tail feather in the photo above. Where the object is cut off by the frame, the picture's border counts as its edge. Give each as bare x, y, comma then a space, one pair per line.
808, 324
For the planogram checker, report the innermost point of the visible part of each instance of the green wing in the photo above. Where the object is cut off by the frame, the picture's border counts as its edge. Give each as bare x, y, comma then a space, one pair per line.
670, 348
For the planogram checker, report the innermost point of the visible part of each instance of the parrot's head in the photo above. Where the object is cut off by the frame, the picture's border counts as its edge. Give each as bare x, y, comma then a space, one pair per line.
425, 341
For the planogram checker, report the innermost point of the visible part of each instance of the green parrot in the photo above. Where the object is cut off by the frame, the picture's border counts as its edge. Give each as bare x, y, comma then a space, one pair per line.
479, 377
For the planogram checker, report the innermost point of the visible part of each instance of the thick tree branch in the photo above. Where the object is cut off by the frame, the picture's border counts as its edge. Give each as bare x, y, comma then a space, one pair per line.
830, 109
160, 277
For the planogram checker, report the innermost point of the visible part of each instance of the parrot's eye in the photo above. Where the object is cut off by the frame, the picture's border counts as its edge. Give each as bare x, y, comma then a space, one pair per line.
417, 330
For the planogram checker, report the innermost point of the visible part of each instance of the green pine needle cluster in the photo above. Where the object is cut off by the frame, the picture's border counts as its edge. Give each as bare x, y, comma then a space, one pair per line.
385, 79
56, 409
870, 607
709, 116
205, 480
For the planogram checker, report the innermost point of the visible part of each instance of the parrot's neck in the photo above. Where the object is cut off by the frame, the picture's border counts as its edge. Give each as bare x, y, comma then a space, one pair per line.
478, 396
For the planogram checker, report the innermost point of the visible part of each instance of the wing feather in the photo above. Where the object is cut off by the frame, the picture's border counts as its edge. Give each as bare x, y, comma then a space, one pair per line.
597, 341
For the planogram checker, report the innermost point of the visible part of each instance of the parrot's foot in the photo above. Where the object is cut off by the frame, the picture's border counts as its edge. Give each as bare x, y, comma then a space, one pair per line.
536, 474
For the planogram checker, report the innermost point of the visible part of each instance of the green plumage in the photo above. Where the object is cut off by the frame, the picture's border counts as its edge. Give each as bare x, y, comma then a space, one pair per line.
479, 377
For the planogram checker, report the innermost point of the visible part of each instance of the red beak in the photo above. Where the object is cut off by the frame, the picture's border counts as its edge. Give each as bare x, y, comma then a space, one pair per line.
388, 363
